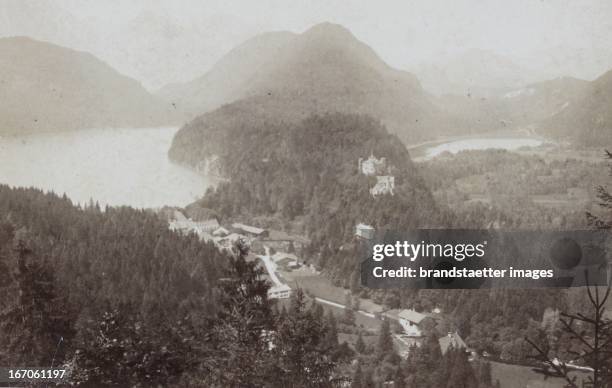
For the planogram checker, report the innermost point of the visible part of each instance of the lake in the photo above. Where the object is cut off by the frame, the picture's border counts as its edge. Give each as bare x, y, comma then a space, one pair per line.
507, 143
111, 166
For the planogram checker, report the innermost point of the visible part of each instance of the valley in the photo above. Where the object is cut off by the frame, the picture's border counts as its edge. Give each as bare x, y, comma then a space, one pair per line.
210, 232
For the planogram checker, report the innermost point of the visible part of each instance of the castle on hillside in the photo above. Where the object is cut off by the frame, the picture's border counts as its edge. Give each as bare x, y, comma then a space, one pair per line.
373, 166
384, 185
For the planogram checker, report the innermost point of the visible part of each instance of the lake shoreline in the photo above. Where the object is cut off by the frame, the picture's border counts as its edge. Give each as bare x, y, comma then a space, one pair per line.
423, 151
111, 166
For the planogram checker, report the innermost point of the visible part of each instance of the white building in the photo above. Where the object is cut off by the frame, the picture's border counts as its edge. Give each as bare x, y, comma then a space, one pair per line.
221, 232
281, 291
410, 320
183, 226
372, 166
208, 226
384, 185
364, 231
250, 230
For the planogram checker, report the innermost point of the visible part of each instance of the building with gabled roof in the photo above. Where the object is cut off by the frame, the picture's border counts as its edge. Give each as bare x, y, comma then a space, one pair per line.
250, 230
208, 226
451, 340
220, 232
280, 291
411, 320
364, 231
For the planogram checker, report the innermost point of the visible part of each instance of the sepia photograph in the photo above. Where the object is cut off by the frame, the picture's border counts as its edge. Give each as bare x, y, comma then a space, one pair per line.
306, 193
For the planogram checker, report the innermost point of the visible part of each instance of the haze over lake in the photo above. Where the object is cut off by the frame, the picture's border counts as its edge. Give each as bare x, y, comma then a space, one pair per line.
111, 166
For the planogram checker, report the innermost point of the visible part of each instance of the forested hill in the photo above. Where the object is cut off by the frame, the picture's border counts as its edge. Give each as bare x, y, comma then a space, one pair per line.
108, 258
119, 300
309, 171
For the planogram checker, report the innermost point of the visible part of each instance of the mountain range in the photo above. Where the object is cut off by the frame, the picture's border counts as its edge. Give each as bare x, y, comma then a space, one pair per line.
289, 76
586, 119
474, 72
45, 87
324, 69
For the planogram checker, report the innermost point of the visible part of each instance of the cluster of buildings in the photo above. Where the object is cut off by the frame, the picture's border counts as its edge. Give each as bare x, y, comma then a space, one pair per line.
225, 238
372, 166
414, 323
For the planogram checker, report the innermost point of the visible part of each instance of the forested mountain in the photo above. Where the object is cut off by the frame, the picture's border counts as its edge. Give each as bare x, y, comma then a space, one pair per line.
45, 87
118, 299
309, 170
325, 69
111, 257
588, 119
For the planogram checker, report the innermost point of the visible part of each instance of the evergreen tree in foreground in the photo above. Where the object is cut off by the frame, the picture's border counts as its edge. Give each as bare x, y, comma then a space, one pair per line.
605, 198
360, 346
243, 328
591, 331
385, 340
34, 321
120, 349
302, 355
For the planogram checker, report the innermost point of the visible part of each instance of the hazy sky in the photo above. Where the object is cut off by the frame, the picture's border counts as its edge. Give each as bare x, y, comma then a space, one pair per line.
160, 41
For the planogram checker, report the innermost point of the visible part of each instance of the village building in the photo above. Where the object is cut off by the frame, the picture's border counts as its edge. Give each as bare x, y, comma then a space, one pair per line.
220, 232
282, 241
183, 226
251, 231
207, 226
451, 340
364, 231
280, 291
384, 185
229, 242
372, 166
410, 321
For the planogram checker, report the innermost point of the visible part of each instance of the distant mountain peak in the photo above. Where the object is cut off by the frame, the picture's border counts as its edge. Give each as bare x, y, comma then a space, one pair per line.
329, 29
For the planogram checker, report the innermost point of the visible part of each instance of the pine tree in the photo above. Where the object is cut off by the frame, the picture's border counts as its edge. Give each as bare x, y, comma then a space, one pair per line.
301, 355
592, 331
385, 340
484, 374
349, 312
368, 379
461, 374
605, 198
119, 349
399, 378
356, 381
331, 334
34, 325
317, 309
242, 331
360, 346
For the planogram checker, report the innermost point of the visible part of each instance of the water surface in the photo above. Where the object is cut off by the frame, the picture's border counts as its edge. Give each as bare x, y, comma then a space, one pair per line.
111, 166
507, 143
